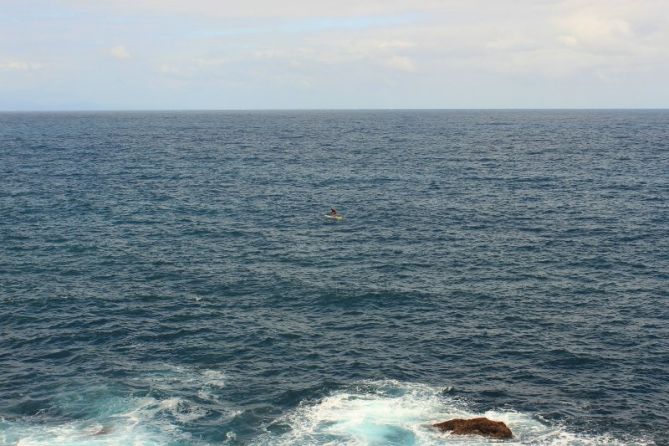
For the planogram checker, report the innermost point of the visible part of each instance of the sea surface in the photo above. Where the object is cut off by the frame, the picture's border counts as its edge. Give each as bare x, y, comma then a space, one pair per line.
170, 278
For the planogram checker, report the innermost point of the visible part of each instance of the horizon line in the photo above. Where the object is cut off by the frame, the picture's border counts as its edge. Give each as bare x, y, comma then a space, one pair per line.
172, 110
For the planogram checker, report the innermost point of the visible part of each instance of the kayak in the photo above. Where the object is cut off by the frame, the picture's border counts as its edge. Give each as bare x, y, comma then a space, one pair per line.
334, 217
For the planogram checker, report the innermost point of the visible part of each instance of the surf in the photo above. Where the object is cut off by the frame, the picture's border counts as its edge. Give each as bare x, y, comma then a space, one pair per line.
376, 413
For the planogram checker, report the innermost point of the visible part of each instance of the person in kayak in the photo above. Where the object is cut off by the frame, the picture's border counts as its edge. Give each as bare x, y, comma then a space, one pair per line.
333, 212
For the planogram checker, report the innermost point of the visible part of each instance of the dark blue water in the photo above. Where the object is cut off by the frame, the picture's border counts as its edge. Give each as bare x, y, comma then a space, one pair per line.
171, 279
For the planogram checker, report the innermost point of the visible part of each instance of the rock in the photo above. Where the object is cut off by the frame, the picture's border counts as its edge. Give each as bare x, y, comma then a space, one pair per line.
476, 426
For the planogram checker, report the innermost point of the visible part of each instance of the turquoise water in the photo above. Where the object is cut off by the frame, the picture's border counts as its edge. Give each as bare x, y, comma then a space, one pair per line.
170, 278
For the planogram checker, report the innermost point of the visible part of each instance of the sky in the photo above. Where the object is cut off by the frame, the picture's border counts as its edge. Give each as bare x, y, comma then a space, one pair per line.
350, 54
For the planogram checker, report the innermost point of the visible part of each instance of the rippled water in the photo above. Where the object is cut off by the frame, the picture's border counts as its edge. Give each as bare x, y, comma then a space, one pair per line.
170, 278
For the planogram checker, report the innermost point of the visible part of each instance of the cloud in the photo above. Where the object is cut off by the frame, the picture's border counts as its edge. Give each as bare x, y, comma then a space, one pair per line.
193, 68
534, 41
401, 63
441, 49
119, 52
20, 65
257, 8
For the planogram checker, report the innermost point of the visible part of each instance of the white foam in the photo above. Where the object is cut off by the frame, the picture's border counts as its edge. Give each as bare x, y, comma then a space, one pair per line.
371, 414
167, 378
145, 422
148, 421
214, 378
152, 409
393, 413
82, 434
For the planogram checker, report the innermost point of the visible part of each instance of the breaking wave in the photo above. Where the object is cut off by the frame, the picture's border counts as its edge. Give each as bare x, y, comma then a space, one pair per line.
394, 413
177, 398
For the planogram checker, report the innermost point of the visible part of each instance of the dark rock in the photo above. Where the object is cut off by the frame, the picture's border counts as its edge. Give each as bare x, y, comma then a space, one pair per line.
476, 426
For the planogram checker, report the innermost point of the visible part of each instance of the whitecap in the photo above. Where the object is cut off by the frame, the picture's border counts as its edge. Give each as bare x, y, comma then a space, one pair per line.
394, 413
123, 429
137, 422
157, 419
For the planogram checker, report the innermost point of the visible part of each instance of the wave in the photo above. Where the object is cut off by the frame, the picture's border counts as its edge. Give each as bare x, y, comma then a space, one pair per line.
371, 413
177, 398
139, 424
395, 413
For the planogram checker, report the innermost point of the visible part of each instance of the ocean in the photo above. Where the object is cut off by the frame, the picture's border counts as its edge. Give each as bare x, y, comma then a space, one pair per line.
170, 278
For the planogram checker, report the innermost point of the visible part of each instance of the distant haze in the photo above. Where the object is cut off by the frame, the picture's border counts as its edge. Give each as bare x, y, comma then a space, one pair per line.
267, 54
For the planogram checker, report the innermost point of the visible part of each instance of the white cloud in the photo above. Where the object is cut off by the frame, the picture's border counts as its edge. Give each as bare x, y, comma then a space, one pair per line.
20, 65
192, 67
119, 52
260, 8
595, 31
401, 63
524, 48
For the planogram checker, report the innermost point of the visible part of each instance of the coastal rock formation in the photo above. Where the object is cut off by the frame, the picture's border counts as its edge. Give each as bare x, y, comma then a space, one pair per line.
476, 426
